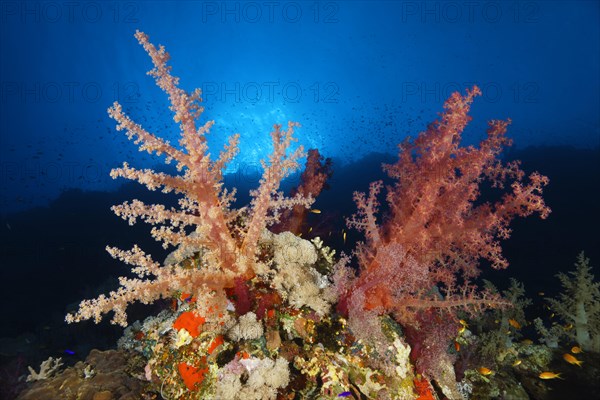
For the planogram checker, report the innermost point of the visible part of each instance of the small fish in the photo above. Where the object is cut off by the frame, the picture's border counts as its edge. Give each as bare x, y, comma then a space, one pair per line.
310, 229
463, 323
462, 329
568, 327
315, 211
576, 350
70, 352
514, 323
344, 237
485, 371
572, 360
549, 375
527, 342
552, 315
516, 363
541, 293
344, 394
457, 346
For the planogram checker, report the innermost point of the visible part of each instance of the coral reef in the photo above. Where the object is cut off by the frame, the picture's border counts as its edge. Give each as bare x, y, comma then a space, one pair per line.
265, 314
113, 378
48, 368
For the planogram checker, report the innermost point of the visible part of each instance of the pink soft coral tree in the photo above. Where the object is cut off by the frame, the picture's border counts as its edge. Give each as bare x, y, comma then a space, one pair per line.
230, 248
419, 262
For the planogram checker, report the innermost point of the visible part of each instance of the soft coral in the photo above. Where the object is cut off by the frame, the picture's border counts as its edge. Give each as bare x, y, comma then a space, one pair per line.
435, 234
420, 262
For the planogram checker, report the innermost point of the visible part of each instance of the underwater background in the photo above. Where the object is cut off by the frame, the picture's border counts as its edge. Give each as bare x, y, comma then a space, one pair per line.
359, 76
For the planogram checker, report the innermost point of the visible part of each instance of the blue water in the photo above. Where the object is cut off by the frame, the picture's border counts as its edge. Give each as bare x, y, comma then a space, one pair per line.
359, 76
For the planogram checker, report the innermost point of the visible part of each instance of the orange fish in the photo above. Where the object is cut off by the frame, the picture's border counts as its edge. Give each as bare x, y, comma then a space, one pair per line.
457, 346
576, 350
514, 323
549, 375
315, 211
572, 360
485, 371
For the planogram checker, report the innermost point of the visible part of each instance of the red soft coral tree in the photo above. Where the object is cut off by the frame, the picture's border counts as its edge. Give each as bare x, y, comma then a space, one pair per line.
312, 181
423, 257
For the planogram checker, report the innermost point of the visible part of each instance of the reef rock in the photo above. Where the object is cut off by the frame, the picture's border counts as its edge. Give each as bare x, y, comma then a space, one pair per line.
105, 375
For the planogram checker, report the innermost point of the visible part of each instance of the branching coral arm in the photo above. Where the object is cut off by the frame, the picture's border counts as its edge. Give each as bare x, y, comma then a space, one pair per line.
185, 106
152, 180
153, 214
365, 219
228, 153
280, 166
168, 281
149, 142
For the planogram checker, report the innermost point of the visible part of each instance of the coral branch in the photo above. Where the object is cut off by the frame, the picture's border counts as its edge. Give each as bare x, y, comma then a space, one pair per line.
312, 181
280, 166
365, 220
